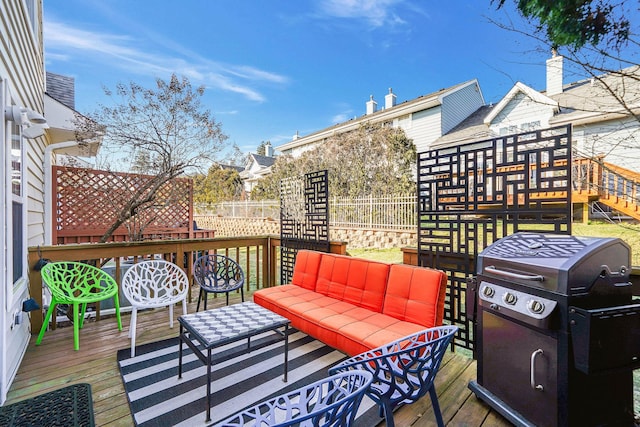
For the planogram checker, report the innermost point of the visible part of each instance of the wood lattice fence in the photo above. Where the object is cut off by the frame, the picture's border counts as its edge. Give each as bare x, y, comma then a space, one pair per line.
88, 201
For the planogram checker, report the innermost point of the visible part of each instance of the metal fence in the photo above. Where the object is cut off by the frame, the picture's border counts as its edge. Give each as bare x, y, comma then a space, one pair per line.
394, 212
243, 209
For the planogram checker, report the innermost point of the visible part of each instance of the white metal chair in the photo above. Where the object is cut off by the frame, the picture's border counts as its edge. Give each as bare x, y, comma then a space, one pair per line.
153, 284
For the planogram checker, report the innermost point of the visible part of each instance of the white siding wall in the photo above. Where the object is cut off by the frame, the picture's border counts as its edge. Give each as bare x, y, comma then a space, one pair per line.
459, 105
35, 191
297, 151
618, 141
22, 68
425, 128
522, 109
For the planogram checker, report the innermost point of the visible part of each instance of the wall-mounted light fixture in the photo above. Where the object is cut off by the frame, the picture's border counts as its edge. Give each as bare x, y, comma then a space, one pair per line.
33, 123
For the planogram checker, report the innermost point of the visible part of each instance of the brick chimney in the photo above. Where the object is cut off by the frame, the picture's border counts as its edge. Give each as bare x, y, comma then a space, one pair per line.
554, 74
372, 105
390, 99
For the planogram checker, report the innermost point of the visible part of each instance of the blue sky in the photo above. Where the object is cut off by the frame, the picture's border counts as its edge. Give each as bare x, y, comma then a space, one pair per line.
274, 68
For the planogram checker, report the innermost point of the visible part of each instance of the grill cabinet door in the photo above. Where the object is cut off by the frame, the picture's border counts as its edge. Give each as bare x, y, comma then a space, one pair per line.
507, 351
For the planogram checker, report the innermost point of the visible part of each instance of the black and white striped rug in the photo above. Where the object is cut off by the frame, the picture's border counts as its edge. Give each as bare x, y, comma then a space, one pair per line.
240, 379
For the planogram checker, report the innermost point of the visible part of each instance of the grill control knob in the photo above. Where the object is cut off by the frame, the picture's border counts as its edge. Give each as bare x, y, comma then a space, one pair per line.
535, 306
488, 291
509, 298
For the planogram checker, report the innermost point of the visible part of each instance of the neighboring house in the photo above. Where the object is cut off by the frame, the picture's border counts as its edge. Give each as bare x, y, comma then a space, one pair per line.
34, 125
423, 119
257, 167
238, 169
601, 126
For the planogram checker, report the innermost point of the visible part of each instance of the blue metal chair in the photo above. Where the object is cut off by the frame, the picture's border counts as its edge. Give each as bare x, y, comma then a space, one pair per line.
217, 274
404, 370
332, 401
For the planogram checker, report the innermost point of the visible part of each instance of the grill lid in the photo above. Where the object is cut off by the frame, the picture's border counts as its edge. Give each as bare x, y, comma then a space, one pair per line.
558, 263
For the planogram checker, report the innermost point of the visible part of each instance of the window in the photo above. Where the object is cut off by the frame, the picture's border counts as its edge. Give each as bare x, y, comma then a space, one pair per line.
17, 201
526, 127
523, 127
508, 130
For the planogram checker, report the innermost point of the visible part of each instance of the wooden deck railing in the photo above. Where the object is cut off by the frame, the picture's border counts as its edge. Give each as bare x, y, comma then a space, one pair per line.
259, 257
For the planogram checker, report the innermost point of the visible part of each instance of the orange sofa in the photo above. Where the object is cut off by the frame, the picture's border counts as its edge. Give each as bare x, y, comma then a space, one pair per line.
356, 305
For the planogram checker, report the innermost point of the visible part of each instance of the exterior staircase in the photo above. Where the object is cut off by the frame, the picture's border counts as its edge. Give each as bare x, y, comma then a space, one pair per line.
597, 181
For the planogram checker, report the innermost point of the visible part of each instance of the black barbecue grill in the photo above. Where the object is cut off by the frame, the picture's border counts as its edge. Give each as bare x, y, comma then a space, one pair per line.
557, 335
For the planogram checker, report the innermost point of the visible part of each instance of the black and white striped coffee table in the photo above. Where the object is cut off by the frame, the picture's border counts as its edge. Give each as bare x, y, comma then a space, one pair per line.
219, 326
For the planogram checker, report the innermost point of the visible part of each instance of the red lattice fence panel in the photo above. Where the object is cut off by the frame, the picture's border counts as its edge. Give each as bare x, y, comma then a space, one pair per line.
87, 202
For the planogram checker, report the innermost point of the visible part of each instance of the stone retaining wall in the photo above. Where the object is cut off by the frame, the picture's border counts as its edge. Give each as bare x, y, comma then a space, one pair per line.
355, 237
231, 227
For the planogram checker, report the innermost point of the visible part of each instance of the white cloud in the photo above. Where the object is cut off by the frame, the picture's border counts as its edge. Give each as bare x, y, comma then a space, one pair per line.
64, 42
339, 118
376, 12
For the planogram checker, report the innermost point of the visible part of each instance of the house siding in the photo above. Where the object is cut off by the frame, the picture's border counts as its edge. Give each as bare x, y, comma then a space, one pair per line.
521, 109
22, 72
618, 141
459, 105
425, 128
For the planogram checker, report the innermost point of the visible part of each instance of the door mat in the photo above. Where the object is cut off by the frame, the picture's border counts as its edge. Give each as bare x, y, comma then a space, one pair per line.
68, 406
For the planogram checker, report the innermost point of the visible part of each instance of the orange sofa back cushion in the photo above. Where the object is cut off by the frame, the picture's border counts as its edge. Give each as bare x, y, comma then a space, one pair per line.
305, 269
357, 281
416, 294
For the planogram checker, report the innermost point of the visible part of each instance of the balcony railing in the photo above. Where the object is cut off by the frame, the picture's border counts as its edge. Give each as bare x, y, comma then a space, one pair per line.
259, 257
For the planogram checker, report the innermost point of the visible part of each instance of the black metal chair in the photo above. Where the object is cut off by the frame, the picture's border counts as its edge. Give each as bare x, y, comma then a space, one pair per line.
404, 370
217, 274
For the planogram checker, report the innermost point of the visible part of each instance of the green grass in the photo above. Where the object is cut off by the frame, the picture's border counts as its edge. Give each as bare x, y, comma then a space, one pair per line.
629, 233
393, 255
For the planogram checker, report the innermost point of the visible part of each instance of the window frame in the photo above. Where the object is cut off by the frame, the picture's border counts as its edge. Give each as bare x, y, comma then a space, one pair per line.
14, 211
19, 199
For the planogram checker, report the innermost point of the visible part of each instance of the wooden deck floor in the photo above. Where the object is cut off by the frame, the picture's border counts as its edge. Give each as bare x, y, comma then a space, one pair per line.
55, 364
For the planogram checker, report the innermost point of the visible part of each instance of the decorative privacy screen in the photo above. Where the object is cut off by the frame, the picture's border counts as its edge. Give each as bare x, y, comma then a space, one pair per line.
304, 218
473, 194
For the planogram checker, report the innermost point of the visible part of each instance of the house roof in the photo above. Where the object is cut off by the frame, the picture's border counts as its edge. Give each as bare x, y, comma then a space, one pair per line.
473, 128
61, 121
515, 90
418, 104
231, 167
264, 161
581, 102
591, 100
264, 166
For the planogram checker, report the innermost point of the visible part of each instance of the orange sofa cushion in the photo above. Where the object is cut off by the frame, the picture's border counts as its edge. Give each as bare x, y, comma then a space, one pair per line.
338, 324
416, 294
353, 280
305, 269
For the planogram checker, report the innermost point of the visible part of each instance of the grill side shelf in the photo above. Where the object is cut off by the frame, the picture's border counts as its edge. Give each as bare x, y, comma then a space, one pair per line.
605, 339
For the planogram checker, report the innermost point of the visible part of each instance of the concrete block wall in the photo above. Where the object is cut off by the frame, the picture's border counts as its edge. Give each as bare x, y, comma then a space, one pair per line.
355, 237
230, 227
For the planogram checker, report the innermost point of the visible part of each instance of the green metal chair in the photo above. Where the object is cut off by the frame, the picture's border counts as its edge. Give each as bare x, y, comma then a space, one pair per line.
77, 284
